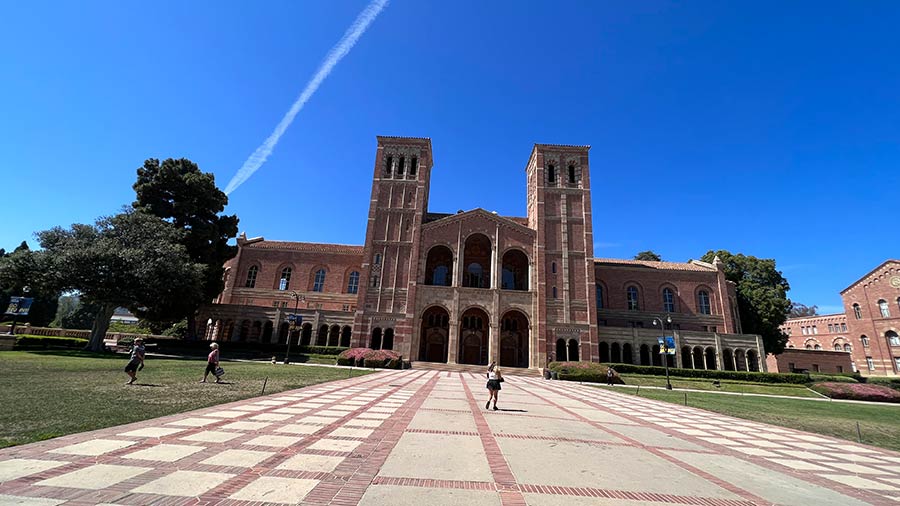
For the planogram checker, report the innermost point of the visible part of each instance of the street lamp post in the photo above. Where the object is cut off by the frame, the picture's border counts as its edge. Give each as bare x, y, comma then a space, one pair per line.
295, 320
664, 348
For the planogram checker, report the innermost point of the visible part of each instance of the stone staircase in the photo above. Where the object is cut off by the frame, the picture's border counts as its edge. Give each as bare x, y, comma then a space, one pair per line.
474, 369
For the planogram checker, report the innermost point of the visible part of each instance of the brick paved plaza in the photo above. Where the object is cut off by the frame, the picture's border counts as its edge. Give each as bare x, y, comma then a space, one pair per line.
424, 438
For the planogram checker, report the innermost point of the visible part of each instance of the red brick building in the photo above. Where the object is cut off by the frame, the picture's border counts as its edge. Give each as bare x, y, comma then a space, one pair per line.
867, 330
473, 286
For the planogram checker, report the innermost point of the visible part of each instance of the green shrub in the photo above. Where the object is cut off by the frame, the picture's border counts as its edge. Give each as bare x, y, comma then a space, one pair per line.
883, 381
754, 377
345, 361
27, 341
833, 378
587, 372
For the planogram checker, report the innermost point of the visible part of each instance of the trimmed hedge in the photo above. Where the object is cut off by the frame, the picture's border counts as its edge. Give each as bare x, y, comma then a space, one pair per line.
857, 392
753, 377
375, 359
176, 345
587, 372
832, 378
882, 381
27, 341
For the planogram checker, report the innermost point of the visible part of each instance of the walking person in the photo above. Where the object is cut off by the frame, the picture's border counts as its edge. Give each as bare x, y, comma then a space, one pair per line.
493, 384
136, 361
212, 363
609, 376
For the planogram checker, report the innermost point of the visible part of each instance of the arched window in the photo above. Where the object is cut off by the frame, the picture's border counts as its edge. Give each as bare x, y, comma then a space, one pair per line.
319, 282
893, 338
413, 166
477, 257
551, 174
631, 294
865, 340
817, 347
388, 165
554, 292
856, 312
847, 348
668, 300
571, 173
475, 276
599, 297
353, 283
514, 274
553, 267
285, 282
400, 166
837, 347
373, 281
885, 310
377, 258
703, 302
252, 272
808, 346
438, 266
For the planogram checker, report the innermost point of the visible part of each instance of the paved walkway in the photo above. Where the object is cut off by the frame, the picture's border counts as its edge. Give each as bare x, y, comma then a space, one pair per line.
424, 438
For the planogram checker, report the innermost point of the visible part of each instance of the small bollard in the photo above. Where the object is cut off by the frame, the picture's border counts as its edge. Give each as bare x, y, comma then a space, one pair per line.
858, 433
685, 398
265, 381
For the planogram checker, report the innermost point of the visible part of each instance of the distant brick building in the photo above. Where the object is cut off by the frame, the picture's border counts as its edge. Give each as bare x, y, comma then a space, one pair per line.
474, 286
867, 330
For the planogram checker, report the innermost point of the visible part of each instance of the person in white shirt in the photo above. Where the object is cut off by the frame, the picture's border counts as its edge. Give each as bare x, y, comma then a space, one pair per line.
493, 384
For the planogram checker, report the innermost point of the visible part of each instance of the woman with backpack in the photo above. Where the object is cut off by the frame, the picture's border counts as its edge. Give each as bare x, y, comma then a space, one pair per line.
493, 384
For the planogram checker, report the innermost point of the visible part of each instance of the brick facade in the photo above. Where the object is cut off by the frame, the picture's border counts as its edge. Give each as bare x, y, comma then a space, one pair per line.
474, 286
800, 360
869, 328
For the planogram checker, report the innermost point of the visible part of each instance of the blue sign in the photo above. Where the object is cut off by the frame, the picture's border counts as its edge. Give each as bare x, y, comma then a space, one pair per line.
296, 319
19, 306
666, 345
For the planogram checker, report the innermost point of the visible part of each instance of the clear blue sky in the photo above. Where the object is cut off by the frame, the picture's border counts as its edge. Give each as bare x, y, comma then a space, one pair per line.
768, 128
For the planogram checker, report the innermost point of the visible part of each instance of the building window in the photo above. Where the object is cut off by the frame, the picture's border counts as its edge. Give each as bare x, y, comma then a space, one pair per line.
840, 368
551, 174
413, 166
791, 366
815, 367
847, 348
377, 258
553, 267
631, 294
808, 346
885, 310
599, 297
843, 327
554, 292
815, 330
817, 347
388, 164
830, 328
251, 276
571, 174
703, 302
373, 281
319, 282
857, 312
803, 330
353, 283
345, 307
400, 166
837, 347
870, 363
893, 338
897, 364
865, 340
285, 282
668, 300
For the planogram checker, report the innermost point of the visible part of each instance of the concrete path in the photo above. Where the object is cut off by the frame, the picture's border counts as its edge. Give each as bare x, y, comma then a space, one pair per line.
424, 438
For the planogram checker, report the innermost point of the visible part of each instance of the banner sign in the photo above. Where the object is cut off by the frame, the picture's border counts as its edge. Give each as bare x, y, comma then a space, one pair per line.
666, 345
19, 306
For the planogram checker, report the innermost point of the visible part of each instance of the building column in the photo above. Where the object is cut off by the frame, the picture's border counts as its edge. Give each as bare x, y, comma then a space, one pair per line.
457, 262
719, 365
494, 344
452, 340
691, 353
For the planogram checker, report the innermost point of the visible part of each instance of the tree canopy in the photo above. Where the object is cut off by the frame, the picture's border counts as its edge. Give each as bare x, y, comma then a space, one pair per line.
799, 310
134, 260
648, 255
761, 295
20, 269
178, 192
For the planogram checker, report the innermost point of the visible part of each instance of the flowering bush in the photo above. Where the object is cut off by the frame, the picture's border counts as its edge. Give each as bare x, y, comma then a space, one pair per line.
366, 357
857, 392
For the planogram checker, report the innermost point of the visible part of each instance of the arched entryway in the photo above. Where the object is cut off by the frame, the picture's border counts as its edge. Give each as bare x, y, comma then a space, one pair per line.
267, 331
387, 340
645, 354
514, 340
574, 350
711, 359
477, 262
283, 330
244, 330
322, 336
334, 335
627, 355
514, 275
698, 358
656, 357
346, 332
729, 359
686, 357
439, 266
740, 360
375, 342
561, 352
752, 360
306, 334
615, 353
434, 335
473, 337
604, 351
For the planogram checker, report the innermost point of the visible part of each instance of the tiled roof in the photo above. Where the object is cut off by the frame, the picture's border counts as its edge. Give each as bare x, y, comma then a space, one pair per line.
564, 146
309, 247
667, 266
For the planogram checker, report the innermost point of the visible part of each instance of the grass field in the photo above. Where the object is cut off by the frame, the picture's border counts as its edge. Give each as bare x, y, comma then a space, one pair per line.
46, 394
725, 385
879, 425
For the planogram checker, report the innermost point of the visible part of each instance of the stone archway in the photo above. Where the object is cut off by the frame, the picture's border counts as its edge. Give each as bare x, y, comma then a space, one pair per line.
434, 335
473, 337
561, 353
627, 355
514, 340
604, 351
615, 353
645, 355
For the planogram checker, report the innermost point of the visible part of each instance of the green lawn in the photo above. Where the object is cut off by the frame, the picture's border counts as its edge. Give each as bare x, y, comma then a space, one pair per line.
46, 394
880, 425
725, 385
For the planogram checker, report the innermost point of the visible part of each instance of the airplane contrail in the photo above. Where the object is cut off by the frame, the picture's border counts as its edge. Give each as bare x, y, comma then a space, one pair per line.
351, 36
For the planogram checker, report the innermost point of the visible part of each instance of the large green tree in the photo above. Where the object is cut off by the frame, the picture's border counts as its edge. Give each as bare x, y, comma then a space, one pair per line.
21, 269
134, 260
648, 255
761, 294
178, 192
